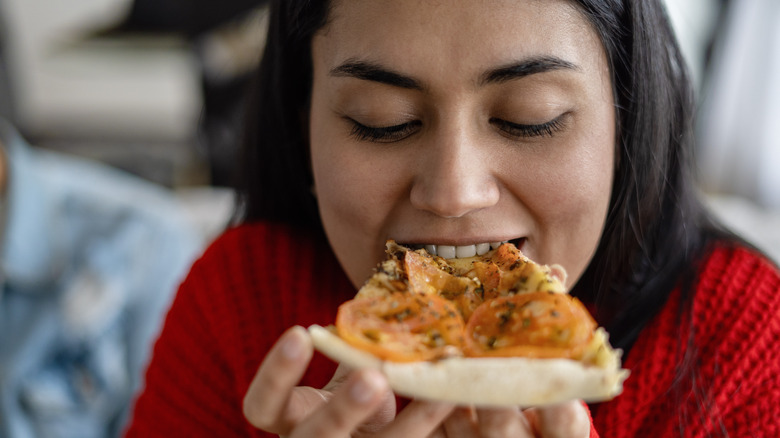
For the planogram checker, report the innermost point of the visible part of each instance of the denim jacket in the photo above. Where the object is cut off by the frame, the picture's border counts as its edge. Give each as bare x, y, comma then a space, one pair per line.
90, 260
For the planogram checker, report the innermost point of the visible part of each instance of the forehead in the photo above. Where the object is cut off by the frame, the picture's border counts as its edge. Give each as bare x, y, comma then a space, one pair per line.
455, 34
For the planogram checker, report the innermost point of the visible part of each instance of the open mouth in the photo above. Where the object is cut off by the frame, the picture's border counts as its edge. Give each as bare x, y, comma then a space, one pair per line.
464, 251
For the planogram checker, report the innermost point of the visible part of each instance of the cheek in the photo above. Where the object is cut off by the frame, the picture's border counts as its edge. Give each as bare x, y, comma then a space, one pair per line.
569, 198
349, 192
582, 188
355, 198
584, 184
570, 211
585, 212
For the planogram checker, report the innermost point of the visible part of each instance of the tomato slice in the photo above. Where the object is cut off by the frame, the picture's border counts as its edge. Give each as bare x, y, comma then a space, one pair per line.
402, 326
536, 324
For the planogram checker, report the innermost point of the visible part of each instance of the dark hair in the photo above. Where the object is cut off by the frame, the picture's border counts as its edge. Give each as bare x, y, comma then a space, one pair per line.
274, 177
655, 227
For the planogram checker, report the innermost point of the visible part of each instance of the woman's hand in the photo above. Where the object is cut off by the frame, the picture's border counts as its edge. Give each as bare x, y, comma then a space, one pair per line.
565, 420
358, 404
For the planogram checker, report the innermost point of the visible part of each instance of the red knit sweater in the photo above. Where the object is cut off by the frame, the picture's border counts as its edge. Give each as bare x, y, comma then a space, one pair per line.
256, 281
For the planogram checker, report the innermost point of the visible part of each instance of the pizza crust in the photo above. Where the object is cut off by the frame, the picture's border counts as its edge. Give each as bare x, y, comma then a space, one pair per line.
488, 382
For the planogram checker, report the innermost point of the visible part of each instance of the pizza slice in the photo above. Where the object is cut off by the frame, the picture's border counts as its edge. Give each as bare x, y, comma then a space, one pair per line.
490, 330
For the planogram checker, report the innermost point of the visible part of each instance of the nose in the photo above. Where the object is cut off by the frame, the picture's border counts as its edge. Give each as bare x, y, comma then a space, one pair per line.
454, 177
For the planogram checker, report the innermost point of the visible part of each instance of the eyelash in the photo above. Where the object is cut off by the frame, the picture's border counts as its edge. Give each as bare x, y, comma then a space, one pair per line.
547, 129
382, 134
390, 134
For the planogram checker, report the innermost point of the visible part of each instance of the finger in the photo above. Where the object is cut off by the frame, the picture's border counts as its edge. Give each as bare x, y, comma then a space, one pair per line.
565, 420
462, 423
354, 402
503, 422
419, 418
267, 399
339, 377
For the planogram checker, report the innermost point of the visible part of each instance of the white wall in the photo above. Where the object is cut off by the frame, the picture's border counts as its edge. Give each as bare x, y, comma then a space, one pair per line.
740, 117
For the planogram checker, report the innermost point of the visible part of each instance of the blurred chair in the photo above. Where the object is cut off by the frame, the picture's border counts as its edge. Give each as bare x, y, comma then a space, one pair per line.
132, 102
66, 85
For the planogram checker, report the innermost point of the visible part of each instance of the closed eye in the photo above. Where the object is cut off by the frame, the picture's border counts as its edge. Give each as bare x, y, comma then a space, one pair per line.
520, 130
383, 134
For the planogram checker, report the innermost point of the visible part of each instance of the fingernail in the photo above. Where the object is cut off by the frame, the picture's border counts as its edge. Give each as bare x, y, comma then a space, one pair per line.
367, 386
292, 346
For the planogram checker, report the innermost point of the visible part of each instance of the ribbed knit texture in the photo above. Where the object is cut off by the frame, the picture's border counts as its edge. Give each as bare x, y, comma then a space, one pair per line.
729, 384
258, 280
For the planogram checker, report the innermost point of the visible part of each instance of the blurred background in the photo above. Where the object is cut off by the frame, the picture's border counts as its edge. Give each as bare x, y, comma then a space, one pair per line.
152, 87
114, 176
733, 51
155, 87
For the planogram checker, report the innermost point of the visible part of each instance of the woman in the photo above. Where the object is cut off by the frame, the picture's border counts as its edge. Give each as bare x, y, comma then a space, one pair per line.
563, 126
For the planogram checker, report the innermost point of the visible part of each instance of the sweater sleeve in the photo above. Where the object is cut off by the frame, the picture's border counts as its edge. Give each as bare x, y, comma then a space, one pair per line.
593, 432
736, 385
189, 389
710, 368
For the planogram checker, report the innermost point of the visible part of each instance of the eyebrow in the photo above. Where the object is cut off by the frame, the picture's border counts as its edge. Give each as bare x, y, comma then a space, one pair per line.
369, 71
526, 67
376, 73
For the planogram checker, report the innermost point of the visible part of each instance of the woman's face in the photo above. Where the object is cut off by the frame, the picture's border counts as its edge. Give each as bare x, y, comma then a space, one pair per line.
461, 123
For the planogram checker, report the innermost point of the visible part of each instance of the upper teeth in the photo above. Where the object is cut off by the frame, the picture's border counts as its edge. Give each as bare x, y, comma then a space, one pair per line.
459, 252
